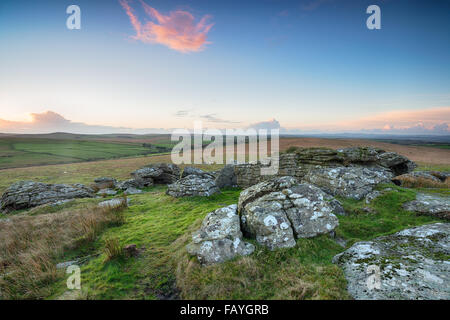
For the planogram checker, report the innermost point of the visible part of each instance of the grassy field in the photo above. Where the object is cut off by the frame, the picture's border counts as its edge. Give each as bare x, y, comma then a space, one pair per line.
23, 152
161, 227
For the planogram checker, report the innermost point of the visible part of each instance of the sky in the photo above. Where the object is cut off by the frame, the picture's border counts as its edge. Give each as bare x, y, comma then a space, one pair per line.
154, 65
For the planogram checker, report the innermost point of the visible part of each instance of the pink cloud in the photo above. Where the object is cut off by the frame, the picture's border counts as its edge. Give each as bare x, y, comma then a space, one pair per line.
177, 30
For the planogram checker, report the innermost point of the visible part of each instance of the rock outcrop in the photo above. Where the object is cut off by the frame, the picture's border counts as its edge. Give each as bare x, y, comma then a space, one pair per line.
220, 238
430, 205
304, 161
170, 173
158, 173
411, 264
193, 185
130, 183
277, 211
144, 177
226, 177
106, 192
353, 182
28, 194
187, 171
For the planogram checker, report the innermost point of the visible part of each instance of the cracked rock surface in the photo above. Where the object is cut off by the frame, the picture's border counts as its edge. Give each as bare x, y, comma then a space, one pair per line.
28, 194
410, 264
277, 211
220, 238
193, 185
431, 205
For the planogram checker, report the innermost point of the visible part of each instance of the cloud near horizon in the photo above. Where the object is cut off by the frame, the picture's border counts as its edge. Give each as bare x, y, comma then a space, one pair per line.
428, 121
403, 121
51, 122
177, 30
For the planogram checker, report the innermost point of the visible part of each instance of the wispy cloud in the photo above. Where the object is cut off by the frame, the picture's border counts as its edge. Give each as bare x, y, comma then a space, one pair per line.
213, 118
271, 124
177, 30
183, 113
427, 119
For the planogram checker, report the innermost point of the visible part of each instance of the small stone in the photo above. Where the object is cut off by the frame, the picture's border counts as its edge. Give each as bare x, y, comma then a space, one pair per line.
107, 192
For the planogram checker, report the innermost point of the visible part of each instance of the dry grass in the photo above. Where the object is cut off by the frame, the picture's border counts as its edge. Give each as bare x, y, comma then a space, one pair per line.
421, 155
112, 249
420, 182
31, 245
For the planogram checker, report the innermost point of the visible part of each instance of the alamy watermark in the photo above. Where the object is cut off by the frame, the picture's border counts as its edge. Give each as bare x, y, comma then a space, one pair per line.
74, 20
229, 146
74, 280
373, 281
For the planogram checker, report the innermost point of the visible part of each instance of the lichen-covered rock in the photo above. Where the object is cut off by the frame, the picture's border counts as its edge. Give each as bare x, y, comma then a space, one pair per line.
220, 238
132, 190
193, 185
131, 183
105, 183
226, 177
411, 264
107, 192
192, 170
305, 160
337, 207
372, 196
170, 173
159, 173
278, 210
430, 205
144, 177
395, 162
28, 194
353, 182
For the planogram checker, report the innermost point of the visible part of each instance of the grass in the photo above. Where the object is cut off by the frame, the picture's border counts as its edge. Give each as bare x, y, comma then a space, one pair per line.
23, 152
161, 227
432, 167
420, 182
30, 246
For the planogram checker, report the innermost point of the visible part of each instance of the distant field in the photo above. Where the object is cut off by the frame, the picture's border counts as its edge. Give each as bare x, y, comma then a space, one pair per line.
24, 152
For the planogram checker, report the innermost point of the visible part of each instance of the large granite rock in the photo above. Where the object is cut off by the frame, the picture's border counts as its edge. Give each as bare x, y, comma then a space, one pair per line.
304, 160
430, 205
187, 171
144, 177
170, 173
278, 210
28, 194
353, 182
193, 185
411, 264
159, 173
132, 183
220, 238
226, 177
